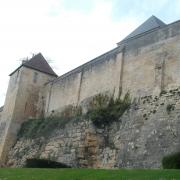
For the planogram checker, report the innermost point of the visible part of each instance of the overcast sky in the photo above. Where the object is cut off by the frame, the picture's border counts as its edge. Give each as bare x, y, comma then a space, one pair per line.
70, 32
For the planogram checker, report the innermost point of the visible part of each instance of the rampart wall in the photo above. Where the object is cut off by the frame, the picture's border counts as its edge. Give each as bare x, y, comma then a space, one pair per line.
144, 65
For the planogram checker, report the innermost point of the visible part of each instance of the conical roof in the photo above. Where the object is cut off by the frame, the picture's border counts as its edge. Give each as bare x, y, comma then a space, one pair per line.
150, 24
39, 63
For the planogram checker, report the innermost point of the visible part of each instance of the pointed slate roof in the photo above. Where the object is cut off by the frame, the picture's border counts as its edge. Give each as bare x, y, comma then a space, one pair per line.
39, 63
150, 24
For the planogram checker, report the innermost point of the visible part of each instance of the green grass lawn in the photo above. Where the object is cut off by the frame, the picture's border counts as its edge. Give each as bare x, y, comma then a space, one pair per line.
86, 174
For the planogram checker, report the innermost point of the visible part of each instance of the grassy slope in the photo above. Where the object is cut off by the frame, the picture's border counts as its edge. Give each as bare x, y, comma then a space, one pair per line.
86, 174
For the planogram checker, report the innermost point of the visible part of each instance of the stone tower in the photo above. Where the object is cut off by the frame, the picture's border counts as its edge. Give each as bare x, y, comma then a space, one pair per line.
23, 99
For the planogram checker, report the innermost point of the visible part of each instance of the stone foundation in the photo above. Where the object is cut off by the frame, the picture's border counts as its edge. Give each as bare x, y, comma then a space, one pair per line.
147, 132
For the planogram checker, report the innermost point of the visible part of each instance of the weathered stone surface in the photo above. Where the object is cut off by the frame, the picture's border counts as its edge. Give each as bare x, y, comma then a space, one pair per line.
145, 66
141, 137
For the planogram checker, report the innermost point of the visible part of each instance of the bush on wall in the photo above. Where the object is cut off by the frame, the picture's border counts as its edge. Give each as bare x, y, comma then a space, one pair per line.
171, 161
43, 127
105, 110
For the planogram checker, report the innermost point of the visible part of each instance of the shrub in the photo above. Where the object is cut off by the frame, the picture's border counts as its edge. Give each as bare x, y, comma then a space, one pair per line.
43, 127
105, 110
171, 161
34, 128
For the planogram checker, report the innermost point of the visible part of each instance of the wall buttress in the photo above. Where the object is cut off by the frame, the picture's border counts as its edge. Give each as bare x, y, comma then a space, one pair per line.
79, 89
121, 71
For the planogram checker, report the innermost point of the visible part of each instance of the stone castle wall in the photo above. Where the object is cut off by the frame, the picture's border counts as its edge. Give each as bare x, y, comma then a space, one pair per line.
22, 102
101, 77
146, 133
144, 65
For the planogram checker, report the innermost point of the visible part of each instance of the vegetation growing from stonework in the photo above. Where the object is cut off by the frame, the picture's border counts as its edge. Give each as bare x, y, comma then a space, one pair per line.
171, 161
169, 108
102, 112
104, 109
43, 127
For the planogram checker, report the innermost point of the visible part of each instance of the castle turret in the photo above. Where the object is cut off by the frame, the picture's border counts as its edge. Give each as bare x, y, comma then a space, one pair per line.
23, 99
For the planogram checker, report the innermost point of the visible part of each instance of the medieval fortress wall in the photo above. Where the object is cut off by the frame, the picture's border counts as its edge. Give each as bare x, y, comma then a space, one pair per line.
103, 76
143, 66
22, 101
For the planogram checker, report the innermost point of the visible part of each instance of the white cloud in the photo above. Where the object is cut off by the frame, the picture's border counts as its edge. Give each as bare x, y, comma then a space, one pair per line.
69, 38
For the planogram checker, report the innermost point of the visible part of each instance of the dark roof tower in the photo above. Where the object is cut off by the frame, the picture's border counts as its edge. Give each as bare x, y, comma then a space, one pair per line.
150, 24
39, 63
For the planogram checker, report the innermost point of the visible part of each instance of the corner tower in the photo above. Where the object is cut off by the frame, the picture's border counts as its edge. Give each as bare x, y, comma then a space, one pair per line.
23, 99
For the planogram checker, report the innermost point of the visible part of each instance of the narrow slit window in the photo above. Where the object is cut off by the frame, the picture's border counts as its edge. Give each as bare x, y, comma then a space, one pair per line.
35, 77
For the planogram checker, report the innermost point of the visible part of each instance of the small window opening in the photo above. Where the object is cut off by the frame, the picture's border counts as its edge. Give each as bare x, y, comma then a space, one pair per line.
35, 77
